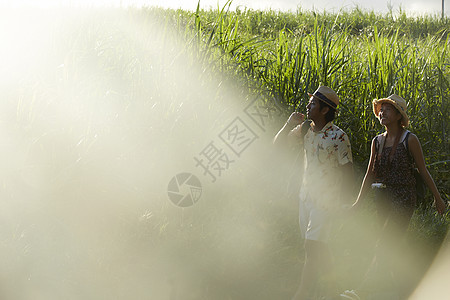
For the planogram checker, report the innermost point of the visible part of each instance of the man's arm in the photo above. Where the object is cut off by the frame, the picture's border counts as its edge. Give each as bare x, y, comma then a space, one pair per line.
345, 159
290, 130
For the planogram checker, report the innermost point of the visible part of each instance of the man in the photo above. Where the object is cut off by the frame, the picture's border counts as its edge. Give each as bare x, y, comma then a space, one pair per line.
327, 169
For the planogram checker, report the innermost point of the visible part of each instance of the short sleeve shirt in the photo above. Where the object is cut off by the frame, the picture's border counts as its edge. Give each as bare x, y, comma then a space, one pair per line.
325, 152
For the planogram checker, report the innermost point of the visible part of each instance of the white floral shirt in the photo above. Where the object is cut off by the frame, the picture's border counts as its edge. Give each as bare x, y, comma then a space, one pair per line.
325, 152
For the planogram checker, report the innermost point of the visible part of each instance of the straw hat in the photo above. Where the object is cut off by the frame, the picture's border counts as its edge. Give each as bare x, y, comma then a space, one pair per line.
327, 95
398, 102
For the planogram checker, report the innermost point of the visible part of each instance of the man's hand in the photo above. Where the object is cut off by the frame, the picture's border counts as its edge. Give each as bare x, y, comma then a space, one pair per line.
295, 119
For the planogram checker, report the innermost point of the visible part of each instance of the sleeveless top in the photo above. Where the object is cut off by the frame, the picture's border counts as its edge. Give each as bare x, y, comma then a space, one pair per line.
398, 177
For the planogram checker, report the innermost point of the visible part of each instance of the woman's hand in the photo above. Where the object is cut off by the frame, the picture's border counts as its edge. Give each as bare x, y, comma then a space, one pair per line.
416, 151
440, 205
355, 206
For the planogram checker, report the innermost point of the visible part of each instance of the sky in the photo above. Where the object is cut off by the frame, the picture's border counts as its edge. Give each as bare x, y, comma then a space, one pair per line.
414, 7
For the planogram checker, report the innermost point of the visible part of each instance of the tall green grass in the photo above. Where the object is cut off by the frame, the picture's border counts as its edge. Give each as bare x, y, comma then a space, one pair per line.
110, 112
409, 57
363, 56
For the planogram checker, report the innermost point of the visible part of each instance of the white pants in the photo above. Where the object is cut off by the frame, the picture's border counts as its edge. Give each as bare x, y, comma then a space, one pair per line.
315, 221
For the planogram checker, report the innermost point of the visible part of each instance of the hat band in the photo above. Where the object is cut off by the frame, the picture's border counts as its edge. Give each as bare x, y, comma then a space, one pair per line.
325, 99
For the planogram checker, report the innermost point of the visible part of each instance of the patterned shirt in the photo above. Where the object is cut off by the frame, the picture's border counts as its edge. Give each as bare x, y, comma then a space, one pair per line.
325, 152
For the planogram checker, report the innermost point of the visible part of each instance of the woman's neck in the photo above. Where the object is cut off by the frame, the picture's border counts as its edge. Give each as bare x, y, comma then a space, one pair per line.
394, 130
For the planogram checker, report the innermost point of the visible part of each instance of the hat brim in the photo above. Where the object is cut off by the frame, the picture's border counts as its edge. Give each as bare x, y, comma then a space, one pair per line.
377, 106
311, 95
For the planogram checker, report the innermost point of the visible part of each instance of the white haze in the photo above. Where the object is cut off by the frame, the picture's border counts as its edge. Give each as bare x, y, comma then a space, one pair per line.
99, 111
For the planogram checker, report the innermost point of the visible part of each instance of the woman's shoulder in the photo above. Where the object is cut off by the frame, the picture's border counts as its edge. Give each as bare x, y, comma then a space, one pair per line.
411, 134
411, 138
378, 137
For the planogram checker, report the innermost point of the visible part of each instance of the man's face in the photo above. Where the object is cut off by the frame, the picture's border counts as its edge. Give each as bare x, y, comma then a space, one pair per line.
313, 109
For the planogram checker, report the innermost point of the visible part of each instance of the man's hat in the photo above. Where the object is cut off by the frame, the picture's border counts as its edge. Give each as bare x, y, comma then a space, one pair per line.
327, 95
398, 102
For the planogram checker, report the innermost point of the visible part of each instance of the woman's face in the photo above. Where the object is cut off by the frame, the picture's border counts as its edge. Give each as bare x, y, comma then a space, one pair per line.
389, 114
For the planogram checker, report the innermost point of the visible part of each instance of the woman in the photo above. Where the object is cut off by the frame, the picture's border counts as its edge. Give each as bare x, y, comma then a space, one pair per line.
391, 163
390, 174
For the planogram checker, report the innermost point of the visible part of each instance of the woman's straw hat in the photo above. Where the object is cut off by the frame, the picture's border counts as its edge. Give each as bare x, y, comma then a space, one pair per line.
398, 102
327, 95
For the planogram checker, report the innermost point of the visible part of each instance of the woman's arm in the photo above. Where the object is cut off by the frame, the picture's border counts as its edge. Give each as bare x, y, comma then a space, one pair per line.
416, 151
369, 178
